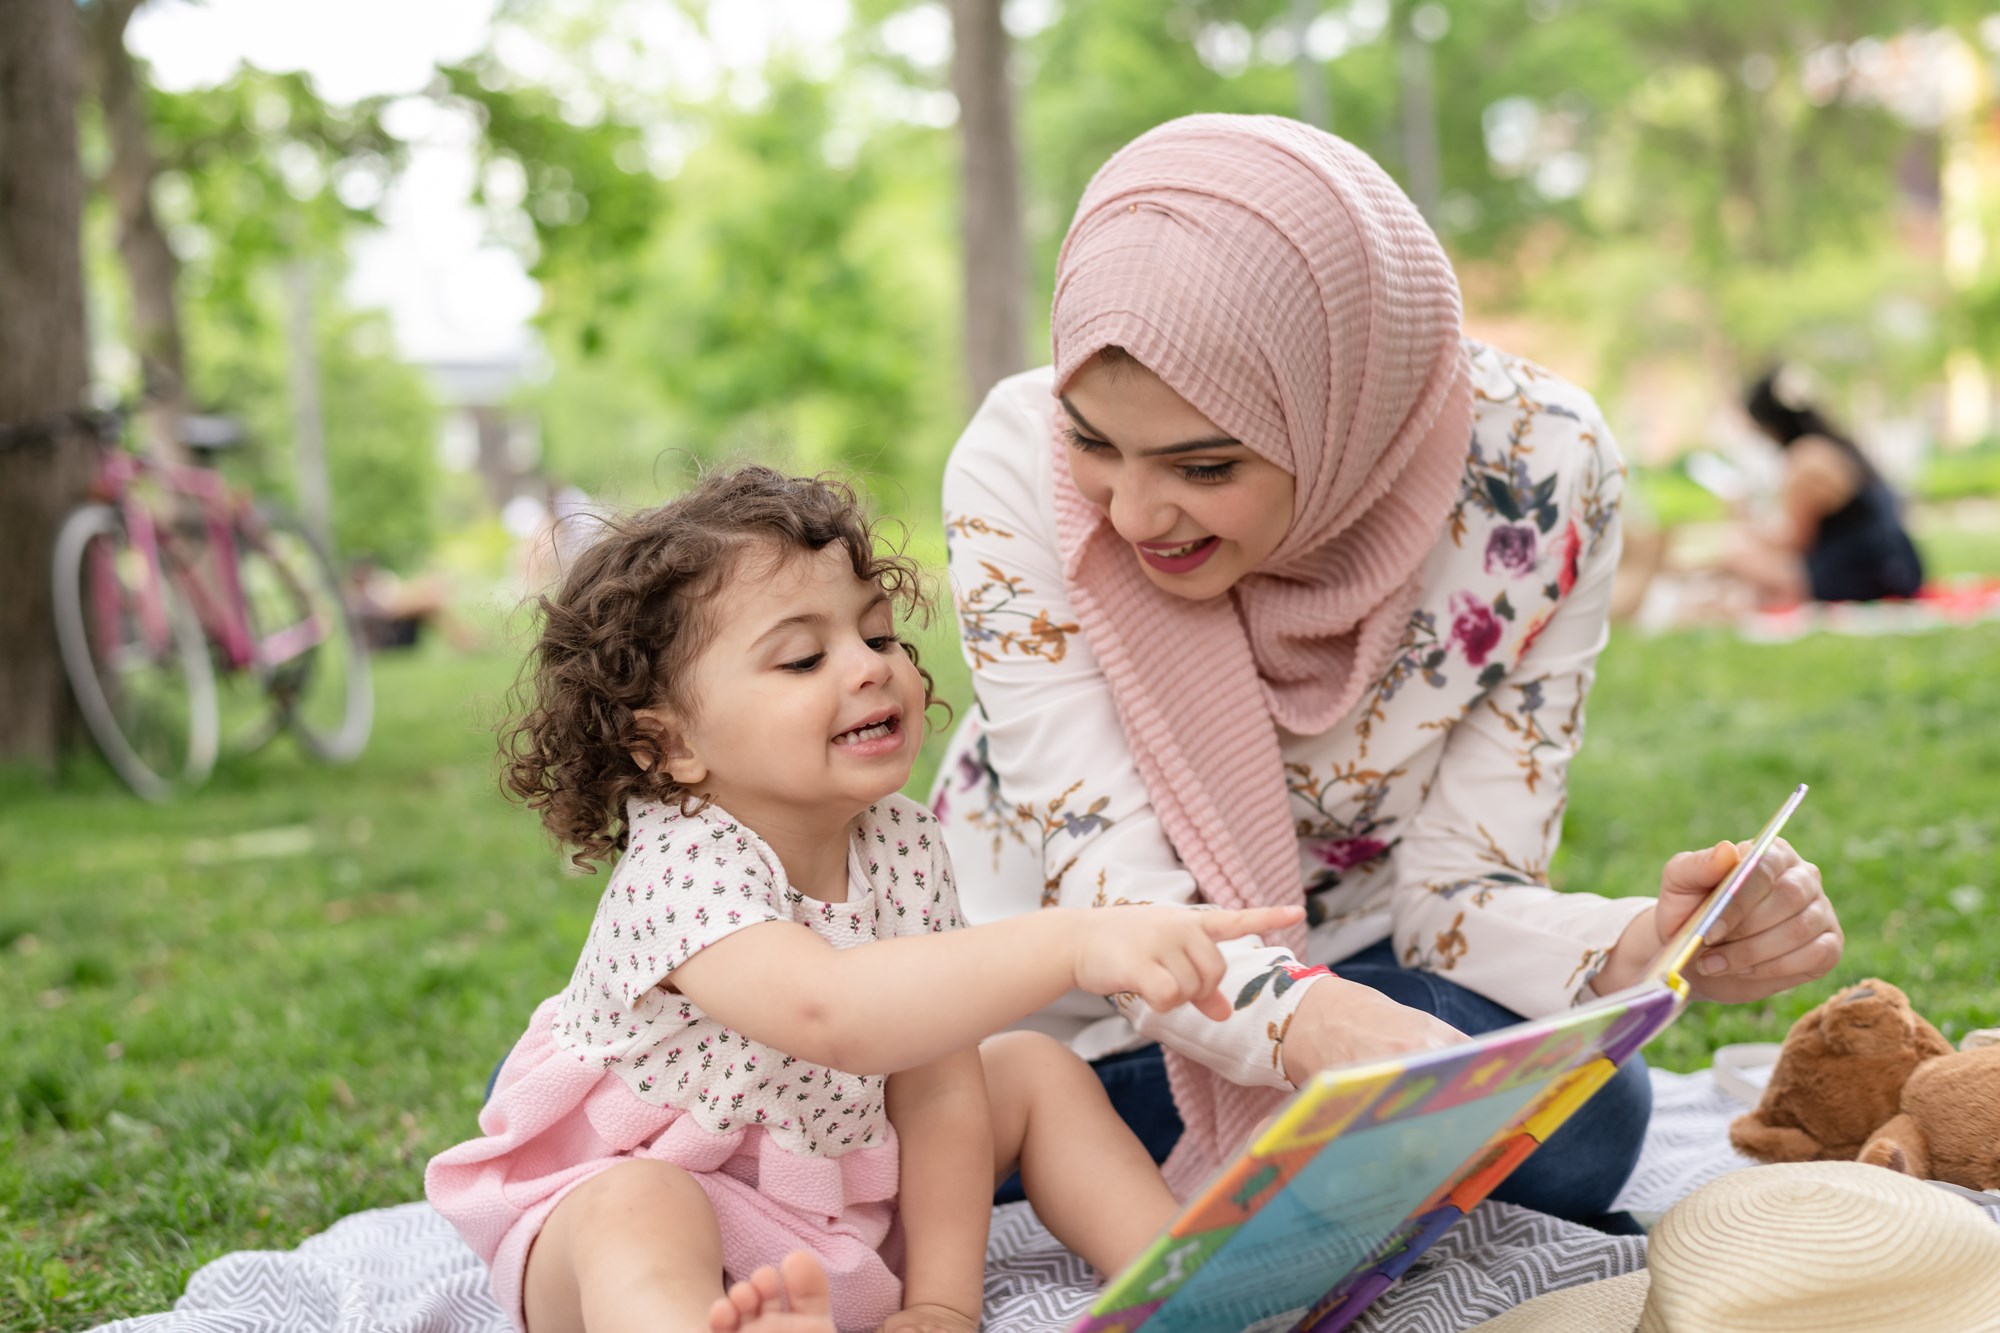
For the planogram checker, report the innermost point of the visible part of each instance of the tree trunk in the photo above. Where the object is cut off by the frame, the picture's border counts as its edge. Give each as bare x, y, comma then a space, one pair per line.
1315, 106
1422, 177
150, 266
43, 362
995, 267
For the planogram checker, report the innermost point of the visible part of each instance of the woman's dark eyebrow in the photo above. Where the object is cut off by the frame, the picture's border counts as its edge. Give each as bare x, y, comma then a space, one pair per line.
1184, 447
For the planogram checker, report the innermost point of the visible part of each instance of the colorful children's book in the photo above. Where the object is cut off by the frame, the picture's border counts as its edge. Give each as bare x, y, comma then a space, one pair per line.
1368, 1165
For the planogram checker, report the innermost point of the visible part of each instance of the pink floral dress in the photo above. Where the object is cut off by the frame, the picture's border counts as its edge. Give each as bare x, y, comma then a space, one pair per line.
1428, 815
790, 1155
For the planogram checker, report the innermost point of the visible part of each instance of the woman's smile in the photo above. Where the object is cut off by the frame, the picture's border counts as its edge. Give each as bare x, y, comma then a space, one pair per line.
1180, 558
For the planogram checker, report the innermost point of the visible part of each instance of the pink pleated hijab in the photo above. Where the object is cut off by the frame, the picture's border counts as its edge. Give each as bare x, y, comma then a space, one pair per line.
1277, 279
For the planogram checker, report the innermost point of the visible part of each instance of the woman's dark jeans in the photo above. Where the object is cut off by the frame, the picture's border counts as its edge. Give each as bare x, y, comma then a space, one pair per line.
1575, 1175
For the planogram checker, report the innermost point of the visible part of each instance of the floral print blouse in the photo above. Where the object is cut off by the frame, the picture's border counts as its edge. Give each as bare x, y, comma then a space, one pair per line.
685, 882
1428, 815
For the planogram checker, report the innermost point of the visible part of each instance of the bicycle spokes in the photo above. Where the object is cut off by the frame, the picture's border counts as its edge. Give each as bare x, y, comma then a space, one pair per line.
315, 665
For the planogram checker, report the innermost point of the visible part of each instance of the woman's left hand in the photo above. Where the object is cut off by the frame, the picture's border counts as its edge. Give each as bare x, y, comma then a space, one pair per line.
1780, 932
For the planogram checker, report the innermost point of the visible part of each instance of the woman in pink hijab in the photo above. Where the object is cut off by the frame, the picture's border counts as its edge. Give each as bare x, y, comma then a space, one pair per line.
1277, 588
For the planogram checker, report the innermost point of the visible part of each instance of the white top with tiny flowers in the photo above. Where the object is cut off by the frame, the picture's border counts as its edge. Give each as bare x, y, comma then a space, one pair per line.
685, 882
1428, 815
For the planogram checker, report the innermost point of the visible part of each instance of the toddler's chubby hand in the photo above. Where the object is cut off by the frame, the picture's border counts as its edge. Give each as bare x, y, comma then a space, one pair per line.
1166, 955
929, 1319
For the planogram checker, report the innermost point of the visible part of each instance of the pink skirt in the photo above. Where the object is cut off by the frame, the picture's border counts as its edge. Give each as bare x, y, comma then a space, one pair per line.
553, 1122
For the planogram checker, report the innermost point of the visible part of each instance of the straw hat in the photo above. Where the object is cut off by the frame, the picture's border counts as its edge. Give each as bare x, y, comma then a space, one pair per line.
1819, 1246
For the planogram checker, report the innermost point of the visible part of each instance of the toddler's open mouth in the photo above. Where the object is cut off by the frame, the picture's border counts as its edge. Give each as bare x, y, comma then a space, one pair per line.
874, 729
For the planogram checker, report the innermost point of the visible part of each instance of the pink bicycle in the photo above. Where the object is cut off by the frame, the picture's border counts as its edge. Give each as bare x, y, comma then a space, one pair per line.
169, 580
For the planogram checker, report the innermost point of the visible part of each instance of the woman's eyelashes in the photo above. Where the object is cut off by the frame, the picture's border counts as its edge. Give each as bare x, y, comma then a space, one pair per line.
1083, 443
1201, 474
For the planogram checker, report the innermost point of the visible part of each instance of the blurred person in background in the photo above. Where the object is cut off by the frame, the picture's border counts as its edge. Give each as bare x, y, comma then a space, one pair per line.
392, 611
1839, 535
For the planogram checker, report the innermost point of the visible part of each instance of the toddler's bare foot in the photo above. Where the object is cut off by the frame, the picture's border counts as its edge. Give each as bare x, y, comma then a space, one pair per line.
791, 1298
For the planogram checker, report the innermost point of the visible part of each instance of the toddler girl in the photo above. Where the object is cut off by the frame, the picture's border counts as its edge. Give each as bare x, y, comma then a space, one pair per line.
764, 1065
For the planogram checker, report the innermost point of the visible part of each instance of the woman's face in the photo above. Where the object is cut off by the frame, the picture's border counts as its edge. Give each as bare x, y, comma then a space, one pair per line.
1199, 509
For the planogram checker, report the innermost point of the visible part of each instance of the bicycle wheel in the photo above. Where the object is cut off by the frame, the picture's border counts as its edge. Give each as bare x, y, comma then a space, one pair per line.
309, 651
140, 671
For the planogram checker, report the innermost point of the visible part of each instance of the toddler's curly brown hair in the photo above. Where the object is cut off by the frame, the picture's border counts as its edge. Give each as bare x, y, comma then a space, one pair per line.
629, 621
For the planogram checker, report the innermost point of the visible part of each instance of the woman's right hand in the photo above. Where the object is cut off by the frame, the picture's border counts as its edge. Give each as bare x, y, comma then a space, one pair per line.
1165, 955
1339, 1022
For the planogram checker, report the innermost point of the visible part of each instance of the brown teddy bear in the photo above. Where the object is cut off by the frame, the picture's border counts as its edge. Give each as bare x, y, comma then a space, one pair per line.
1864, 1077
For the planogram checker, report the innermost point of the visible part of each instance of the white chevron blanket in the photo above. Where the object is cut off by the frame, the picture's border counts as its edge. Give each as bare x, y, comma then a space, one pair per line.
403, 1270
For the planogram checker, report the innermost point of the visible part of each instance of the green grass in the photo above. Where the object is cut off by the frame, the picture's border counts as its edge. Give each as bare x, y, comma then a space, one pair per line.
1968, 547
225, 1024
1960, 474
1698, 736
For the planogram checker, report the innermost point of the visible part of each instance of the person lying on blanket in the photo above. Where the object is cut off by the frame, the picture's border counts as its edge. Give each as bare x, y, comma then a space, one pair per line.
1277, 588
763, 1102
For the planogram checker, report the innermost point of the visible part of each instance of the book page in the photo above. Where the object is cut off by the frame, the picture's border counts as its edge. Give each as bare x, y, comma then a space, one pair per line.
1358, 1171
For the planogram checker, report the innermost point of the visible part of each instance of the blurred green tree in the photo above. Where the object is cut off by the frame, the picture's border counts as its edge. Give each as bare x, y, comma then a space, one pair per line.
1662, 177
783, 290
381, 422
259, 174
1657, 178
216, 192
1738, 181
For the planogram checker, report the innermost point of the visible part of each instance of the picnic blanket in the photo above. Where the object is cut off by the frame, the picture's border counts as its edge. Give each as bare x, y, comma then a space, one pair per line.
403, 1269
1937, 605
1684, 600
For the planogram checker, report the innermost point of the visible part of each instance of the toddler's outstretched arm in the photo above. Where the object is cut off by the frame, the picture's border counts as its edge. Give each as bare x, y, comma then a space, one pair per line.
878, 1008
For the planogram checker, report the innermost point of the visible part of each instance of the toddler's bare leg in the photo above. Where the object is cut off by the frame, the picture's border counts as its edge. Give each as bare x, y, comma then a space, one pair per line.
1088, 1176
634, 1247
